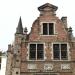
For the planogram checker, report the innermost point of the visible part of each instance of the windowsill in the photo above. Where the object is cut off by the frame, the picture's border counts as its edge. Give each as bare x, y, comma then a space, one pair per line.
48, 35
61, 60
36, 60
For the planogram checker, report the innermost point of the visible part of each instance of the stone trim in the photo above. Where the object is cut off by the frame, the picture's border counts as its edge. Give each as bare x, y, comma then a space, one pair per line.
68, 52
41, 31
36, 43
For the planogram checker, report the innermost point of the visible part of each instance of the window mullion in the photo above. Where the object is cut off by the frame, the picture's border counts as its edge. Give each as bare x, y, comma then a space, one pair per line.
67, 51
60, 50
36, 51
48, 28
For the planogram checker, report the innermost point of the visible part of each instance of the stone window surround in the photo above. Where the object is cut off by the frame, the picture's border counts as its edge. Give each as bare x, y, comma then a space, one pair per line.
68, 52
41, 31
51, 45
43, 52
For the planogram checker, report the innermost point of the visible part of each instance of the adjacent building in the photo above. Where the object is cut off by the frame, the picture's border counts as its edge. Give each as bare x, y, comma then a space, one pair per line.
0, 59
49, 48
3, 59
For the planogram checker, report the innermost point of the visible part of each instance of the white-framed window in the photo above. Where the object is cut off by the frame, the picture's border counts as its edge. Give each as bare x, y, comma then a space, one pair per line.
48, 28
36, 51
60, 51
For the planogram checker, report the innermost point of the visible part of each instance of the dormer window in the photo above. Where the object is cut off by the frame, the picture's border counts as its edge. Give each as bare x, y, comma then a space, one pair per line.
48, 28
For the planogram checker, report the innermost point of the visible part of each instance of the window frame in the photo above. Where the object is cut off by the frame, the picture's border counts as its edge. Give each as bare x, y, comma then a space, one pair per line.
68, 52
41, 31
36, 52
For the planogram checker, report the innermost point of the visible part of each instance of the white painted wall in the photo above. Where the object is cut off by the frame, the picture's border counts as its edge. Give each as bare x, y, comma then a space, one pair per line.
3, 65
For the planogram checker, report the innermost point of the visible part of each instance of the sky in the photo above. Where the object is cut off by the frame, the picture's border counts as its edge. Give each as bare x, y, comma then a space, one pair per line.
11, 10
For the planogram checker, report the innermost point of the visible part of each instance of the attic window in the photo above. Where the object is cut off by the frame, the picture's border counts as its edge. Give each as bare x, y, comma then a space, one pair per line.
48, 28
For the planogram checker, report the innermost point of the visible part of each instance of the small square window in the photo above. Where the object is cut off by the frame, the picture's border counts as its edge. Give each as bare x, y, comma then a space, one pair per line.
48, 28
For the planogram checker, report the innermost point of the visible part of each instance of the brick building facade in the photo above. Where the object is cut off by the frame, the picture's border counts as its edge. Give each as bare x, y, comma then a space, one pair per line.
49, 48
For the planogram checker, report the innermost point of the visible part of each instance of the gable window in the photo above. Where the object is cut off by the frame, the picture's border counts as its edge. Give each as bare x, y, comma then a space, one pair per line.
36, 51
60, 52
48, 28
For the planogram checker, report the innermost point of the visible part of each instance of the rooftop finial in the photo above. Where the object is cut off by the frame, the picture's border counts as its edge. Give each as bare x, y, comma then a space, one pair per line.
25, 30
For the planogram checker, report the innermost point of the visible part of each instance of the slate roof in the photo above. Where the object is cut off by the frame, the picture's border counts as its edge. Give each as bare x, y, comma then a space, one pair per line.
19, 28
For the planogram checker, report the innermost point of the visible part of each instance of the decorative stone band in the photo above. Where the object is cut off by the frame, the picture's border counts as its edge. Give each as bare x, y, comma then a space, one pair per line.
32, 66
65, 66
48, 67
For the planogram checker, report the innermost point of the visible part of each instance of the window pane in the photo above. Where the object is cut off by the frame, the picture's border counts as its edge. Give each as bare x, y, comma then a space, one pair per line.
40, 55
45, 31
64, 55
63, 51
32, 51
40, 51
56, 51
51, 29
32, 55
63, 46
40, 47
32, 47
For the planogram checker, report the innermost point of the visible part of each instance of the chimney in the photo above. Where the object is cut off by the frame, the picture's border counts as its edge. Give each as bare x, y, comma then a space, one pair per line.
70, 32
64, 20
9, 48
